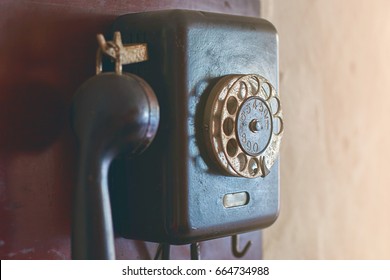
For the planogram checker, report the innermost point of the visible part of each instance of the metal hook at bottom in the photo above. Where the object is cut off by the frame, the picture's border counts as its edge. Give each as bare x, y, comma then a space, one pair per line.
163, 250
235, 247
195, 251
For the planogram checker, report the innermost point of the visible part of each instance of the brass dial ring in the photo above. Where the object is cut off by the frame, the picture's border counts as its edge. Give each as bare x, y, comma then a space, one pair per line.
244, 124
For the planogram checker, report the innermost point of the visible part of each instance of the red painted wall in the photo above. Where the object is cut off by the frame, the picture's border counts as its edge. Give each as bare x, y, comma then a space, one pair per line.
47, 49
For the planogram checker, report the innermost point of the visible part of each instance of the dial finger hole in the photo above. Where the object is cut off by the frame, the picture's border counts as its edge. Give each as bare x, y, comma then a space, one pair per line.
228, 126
242, 161
275, 105
253, 166
232, 147
232, 105
277, 125
242, 91
254, 85
266, 89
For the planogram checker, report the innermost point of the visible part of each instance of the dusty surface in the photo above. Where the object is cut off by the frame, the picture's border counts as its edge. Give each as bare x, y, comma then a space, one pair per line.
335, 85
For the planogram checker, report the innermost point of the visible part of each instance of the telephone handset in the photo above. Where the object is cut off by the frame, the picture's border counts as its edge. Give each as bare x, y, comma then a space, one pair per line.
212, 169
113, 113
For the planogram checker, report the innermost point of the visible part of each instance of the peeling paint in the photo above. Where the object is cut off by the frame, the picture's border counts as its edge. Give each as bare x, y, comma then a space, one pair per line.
57, 253
21, 252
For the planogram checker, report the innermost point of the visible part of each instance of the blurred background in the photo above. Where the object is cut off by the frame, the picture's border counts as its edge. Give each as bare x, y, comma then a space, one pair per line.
335, 88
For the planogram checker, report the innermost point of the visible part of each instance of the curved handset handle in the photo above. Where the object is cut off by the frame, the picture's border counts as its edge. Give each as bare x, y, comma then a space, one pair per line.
112, 114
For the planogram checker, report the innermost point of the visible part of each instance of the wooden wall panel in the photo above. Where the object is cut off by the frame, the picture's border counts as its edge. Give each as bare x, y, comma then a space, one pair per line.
47, 49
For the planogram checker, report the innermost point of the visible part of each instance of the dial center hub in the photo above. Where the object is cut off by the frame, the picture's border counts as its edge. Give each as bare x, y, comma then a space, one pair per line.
254, 126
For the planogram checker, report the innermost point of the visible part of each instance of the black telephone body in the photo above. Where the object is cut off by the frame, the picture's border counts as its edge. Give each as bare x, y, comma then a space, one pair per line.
176, 192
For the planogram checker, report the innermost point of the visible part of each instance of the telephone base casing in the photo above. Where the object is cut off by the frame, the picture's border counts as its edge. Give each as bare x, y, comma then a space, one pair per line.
173, 192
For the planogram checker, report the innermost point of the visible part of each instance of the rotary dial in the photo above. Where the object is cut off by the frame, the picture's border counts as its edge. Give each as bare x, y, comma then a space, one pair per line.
244, 125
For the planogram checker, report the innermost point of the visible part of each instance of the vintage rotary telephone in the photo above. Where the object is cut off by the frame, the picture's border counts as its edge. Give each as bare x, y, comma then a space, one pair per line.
212, 169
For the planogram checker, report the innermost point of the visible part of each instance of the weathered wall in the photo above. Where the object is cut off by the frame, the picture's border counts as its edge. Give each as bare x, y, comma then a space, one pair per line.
335, 85
47, 49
